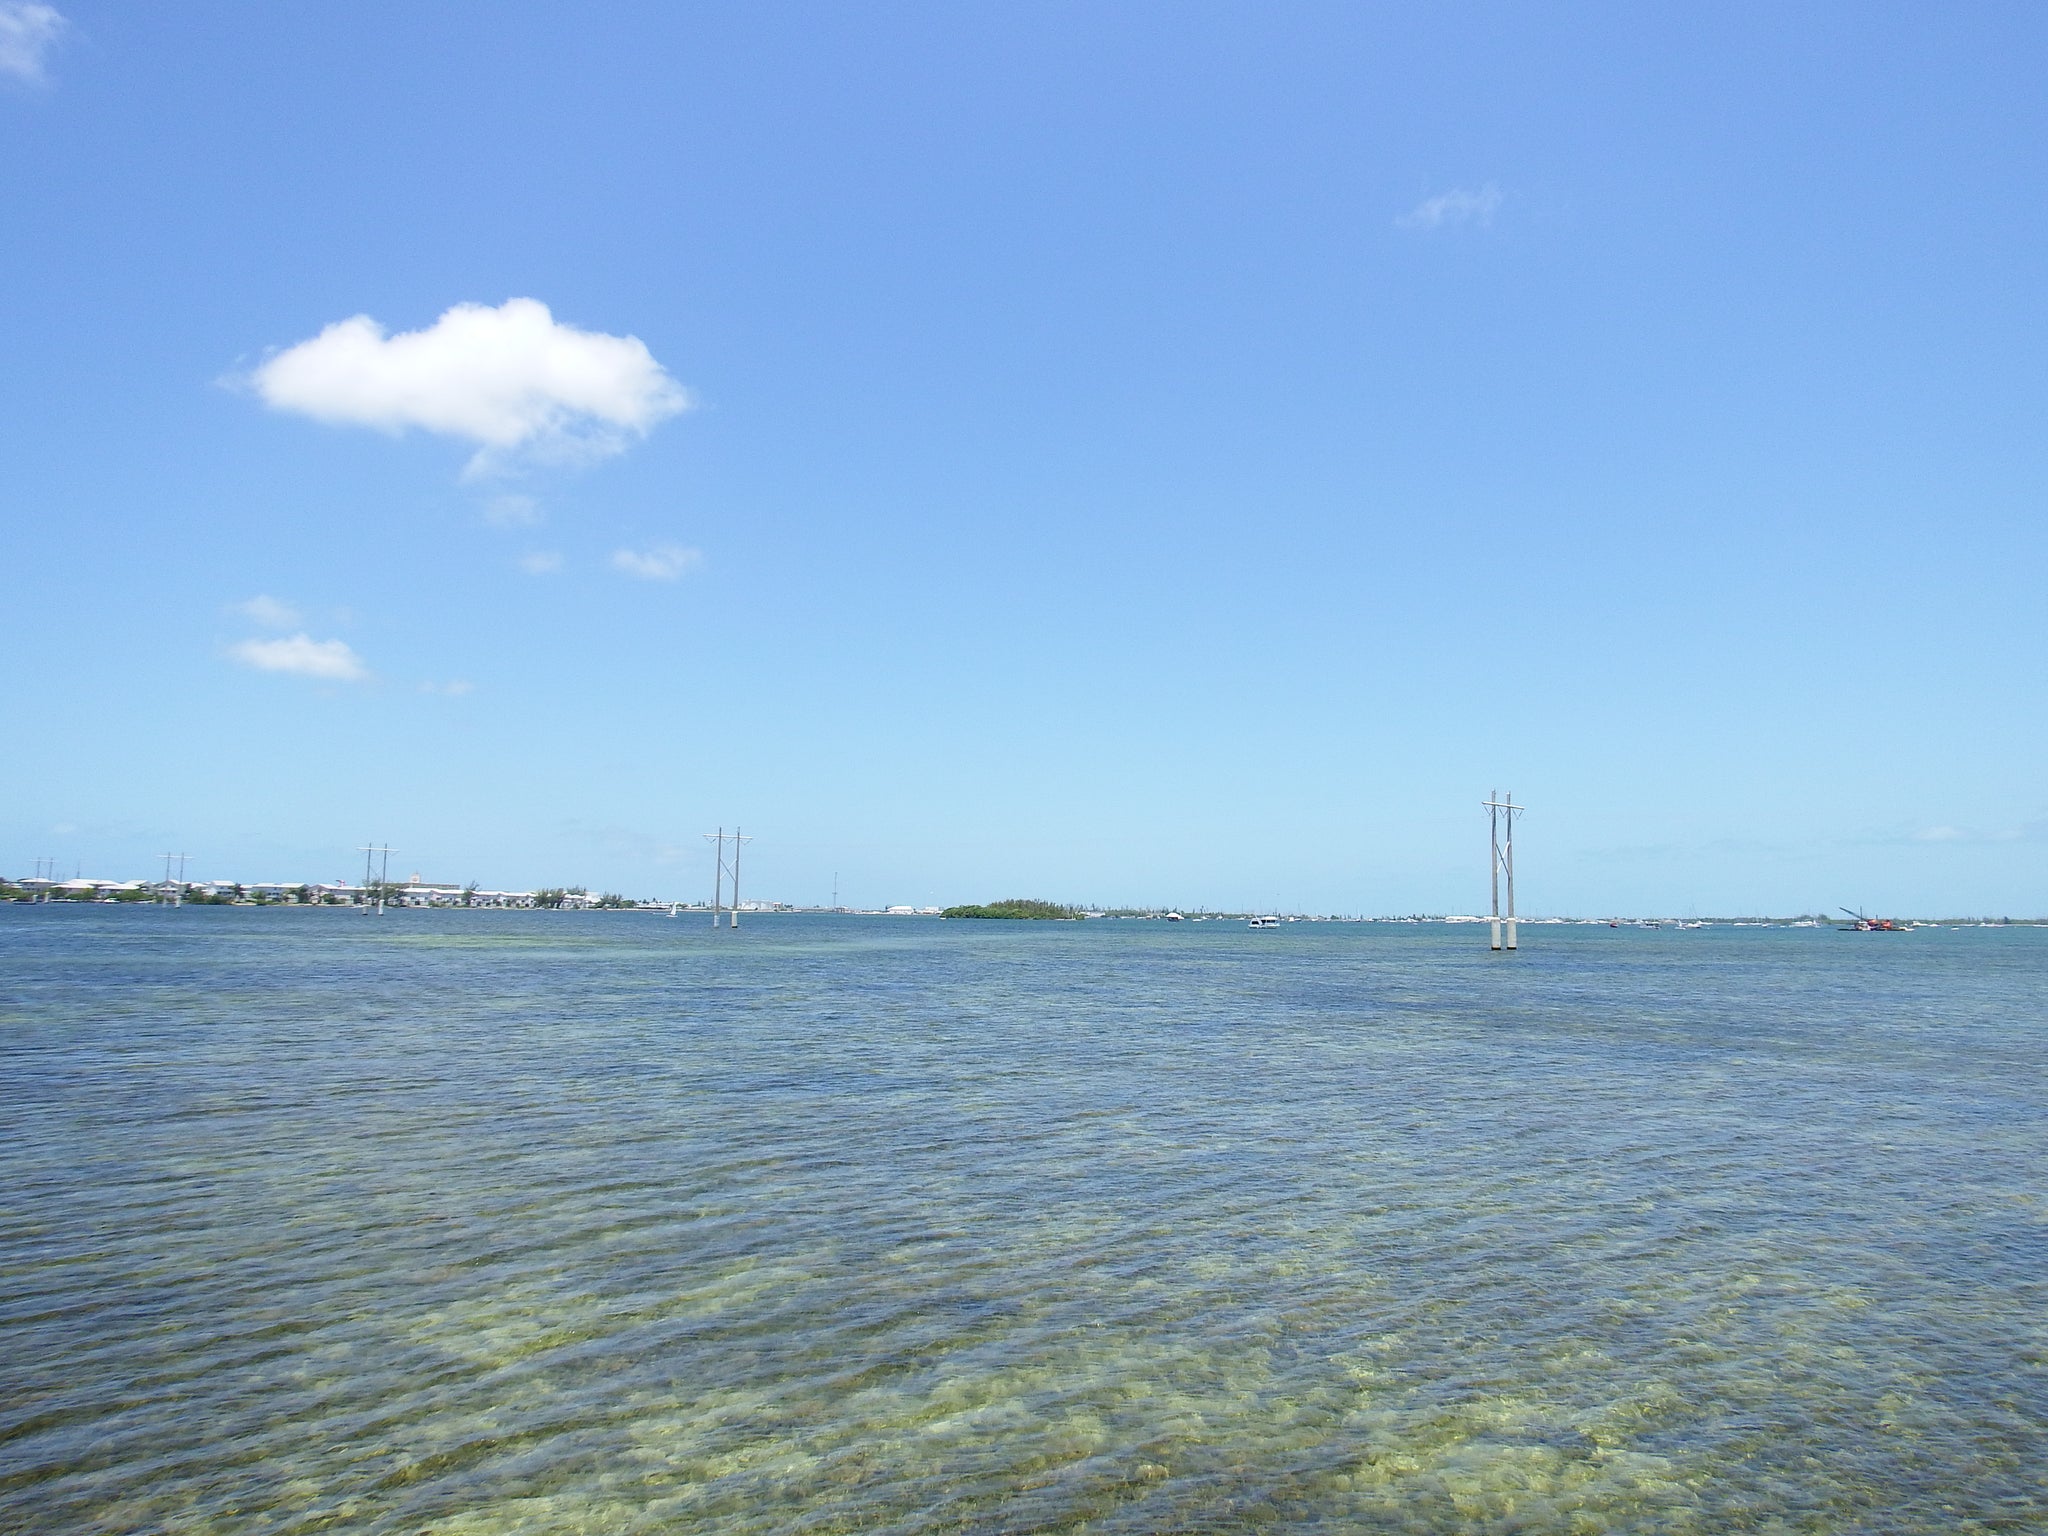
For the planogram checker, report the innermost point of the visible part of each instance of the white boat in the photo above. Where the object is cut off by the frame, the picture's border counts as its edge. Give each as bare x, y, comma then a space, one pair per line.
1264, 922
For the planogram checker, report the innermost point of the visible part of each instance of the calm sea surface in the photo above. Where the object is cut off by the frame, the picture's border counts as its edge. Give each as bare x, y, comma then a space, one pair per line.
474, 1222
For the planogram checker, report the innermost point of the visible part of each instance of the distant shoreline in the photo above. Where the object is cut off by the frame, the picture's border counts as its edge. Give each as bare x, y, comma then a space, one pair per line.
14, 897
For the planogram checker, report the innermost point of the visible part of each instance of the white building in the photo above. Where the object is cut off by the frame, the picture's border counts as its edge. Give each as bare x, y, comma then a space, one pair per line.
418, 893
99, 888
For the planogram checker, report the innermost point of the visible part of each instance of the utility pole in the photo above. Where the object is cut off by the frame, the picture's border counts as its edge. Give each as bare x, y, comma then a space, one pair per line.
718, 872
736, 841
174, 895
381, 882
1501, 812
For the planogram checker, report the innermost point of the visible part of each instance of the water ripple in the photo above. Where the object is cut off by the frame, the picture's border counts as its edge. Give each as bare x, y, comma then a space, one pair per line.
475, 1223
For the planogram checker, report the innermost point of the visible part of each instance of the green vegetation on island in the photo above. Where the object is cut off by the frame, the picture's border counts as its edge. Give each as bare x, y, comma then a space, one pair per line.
1018, 906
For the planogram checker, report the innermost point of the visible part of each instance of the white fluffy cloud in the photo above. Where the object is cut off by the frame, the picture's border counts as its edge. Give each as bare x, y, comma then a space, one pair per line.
1460, 205
658, 562
269, 612
27, 31
513, 380
302, 656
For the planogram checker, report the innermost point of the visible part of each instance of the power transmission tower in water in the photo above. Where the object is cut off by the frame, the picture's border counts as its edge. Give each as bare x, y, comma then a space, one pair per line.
719, 868
1501, 811
736, 841
382, 884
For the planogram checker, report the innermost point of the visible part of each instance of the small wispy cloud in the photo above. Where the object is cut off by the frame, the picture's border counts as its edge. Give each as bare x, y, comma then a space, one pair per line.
269, 612
658, 562
1460, 205
541, 562
27, 33
512, 512
454, 688
631, 842
2025, 832
302, 656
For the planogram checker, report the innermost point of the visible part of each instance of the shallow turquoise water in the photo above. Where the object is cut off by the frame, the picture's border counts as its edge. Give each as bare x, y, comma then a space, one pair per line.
475, 1222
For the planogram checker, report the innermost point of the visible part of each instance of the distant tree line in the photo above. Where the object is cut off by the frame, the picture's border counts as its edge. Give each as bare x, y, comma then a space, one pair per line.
1018, 907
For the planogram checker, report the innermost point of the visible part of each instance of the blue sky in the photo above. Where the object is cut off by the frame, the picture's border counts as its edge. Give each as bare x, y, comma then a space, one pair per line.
1125, 453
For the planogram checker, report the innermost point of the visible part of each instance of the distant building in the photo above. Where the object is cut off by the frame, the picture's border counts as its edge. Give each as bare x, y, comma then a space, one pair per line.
84, 887
418, 893
414, 893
